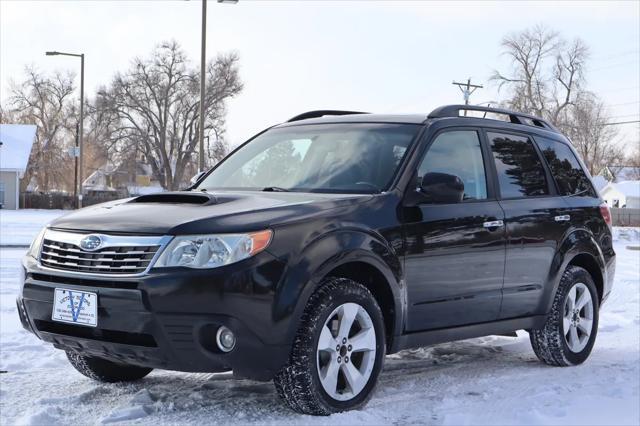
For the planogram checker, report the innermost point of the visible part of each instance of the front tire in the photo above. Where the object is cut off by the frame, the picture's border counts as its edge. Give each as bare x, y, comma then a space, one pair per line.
106, 371
569, 333
338, 351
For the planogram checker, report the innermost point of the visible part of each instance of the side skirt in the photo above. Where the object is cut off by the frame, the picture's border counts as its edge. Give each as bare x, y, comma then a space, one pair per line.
442, 335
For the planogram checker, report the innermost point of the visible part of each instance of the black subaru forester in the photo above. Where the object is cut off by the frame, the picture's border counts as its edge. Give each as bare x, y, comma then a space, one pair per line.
326, 242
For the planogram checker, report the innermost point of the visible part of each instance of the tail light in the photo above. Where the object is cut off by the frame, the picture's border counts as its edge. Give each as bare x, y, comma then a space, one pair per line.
606, 213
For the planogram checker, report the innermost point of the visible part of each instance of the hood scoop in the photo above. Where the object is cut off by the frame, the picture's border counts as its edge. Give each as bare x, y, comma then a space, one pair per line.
178, 197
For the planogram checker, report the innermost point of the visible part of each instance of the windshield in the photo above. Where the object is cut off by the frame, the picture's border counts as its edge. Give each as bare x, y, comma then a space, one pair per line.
358, 158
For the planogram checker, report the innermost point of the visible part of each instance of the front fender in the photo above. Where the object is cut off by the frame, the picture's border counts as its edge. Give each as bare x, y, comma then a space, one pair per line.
325, 253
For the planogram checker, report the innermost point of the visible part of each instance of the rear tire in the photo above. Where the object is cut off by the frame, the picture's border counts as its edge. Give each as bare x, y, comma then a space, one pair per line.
106, 371
569, 333
338, 351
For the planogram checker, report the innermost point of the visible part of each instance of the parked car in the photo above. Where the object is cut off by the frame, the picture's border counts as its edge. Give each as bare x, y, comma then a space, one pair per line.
325, 243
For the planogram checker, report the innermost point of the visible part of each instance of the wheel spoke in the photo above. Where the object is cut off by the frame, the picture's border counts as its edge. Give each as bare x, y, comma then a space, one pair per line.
585, 325
326, 342
365, 340
354, 378
574, 340
347, 317
584, 298
571, 298
329, 376
566, 324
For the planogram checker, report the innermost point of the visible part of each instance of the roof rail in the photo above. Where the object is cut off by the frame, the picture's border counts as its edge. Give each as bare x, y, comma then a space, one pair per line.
321, 113
514, 116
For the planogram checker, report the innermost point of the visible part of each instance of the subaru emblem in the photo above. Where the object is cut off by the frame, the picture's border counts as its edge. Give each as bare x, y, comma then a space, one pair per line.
91, 242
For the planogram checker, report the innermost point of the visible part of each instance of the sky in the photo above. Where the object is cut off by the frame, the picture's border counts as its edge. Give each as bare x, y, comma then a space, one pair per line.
295, 56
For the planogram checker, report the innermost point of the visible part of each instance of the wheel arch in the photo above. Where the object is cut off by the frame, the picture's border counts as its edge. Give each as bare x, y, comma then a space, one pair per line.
578, 248
588, 262
361, 255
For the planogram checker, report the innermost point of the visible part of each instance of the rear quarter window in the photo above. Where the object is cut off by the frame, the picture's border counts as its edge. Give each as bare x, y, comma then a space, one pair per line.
565, 168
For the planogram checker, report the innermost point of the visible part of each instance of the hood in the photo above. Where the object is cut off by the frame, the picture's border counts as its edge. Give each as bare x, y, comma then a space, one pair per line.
181, 213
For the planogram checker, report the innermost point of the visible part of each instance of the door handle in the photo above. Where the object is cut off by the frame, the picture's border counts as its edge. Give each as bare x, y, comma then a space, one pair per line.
493, 224
563, 218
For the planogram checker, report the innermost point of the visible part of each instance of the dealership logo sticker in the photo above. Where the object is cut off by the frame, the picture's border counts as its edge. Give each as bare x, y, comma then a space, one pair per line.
91, 242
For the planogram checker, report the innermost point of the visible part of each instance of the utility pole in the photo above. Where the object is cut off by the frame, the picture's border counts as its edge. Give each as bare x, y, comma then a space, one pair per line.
467, 89
76, 153
203, 77
81, 124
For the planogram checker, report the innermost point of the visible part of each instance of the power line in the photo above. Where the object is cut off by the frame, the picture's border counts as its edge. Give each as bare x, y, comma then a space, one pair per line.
621, 122
619, 89
614, 65
617, 55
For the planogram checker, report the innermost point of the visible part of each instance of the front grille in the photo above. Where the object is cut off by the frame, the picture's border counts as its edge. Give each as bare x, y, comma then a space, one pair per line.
109, 260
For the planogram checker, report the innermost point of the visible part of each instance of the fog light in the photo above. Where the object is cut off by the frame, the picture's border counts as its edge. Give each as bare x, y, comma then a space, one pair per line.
225, 339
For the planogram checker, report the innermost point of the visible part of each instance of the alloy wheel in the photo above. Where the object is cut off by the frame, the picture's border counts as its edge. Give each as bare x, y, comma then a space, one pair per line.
577, 321
346, 351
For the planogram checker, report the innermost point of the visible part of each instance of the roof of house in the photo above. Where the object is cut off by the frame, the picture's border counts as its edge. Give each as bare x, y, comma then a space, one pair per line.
16, 140
599, 182
624, 173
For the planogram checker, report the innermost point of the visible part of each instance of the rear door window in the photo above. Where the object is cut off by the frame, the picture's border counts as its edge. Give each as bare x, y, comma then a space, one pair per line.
518, 166
565, 168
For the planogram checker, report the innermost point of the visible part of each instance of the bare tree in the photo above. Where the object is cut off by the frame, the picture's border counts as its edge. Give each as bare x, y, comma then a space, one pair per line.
47, 102
586, 126
547, 73
547, 78
633, 160
152, 110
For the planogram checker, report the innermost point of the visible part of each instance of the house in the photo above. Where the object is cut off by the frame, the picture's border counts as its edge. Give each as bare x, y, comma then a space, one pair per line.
16, 141
599, 182
622, 194
620, 173
127, 179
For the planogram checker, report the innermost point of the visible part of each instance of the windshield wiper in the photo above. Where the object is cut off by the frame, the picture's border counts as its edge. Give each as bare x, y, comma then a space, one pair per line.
275, 189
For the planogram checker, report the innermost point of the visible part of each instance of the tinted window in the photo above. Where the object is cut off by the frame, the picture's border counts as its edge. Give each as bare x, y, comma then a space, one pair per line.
458, 153
360, 158
520, 171
565, 167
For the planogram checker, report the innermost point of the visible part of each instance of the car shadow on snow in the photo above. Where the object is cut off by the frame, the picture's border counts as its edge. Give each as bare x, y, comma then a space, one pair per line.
171, 394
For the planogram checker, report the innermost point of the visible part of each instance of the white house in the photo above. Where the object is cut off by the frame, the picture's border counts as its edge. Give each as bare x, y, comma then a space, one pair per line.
599, 182
622, 194
16, 141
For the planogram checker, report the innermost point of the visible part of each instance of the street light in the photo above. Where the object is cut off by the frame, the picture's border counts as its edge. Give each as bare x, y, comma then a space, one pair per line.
81, 130
203, 65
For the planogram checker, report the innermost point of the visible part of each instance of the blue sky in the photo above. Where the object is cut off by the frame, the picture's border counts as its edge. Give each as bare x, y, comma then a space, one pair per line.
297, 56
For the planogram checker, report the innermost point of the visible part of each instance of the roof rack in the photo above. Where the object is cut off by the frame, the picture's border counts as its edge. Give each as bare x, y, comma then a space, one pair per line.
321, 113
514, 116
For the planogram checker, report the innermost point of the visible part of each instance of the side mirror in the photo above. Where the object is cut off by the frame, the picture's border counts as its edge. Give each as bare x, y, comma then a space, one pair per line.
442, 188
196, 178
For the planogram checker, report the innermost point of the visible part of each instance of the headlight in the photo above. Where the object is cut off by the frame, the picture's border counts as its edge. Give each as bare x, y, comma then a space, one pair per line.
36, 245
211, 251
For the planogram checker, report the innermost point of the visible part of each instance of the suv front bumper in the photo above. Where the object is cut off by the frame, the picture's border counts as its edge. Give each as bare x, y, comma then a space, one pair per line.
168, 318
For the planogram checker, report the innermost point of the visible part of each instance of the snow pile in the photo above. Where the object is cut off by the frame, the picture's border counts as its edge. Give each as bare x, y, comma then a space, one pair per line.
628, 234
490, 380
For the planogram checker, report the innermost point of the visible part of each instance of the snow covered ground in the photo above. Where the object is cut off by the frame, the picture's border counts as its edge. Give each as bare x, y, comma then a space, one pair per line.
492, 380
